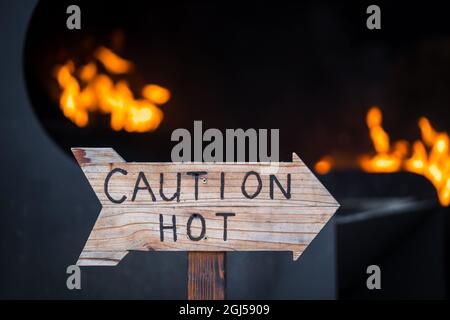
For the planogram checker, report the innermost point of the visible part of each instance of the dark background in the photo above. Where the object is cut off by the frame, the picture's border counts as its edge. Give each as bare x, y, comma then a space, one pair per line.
311, 69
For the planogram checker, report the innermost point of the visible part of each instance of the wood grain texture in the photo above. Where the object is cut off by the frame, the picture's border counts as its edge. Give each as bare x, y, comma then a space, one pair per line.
268, 222
206, 275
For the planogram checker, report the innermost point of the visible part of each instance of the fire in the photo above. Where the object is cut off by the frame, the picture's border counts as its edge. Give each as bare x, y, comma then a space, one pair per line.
112, 62
324, 165
85, 90
387, 158
429, 157
156, 93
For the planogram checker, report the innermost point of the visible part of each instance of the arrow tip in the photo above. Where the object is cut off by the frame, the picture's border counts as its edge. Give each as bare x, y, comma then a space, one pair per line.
296, 254
101, 258
96, 155
80, 155
296, 158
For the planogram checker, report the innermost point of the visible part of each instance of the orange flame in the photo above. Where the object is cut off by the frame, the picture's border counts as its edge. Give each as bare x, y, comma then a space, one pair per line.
112, 62
324, 165
156, 93
387, 159
100, 93
429, 157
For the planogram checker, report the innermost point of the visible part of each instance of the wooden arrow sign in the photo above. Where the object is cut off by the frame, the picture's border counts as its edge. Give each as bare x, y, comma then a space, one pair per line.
200, 206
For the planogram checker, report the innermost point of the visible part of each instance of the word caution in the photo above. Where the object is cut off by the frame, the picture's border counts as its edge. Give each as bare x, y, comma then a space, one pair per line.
200, 206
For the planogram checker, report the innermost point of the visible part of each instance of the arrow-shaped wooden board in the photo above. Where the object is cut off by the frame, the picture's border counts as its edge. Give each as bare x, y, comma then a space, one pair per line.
200, 206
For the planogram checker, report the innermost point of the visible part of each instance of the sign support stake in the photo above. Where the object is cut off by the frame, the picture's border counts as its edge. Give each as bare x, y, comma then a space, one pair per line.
206, 275
206, 208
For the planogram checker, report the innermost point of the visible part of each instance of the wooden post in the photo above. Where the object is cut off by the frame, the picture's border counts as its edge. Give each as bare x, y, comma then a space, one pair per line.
206, 275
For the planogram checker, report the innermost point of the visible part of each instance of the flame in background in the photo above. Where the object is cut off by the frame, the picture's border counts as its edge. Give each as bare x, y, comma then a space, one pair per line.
429, 157
324, 165
85, 90
387, 158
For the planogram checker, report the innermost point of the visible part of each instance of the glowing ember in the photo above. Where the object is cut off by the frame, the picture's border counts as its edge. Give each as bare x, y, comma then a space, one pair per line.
96, 92
323, 166
429, 157
156, 93
112, 62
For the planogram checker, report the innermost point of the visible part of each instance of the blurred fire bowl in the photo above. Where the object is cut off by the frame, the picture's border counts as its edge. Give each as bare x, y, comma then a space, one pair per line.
396, 222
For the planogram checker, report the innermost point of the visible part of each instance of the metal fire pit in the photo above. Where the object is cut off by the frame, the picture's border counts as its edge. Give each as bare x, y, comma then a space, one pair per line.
396, 222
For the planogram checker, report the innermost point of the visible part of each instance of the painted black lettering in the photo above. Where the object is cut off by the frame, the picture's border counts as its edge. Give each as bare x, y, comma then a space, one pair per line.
286, 193
142, 177
162, 227
122, 171
196, 174
176, 194
189, 223
225, 216
222, 185
258, 189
